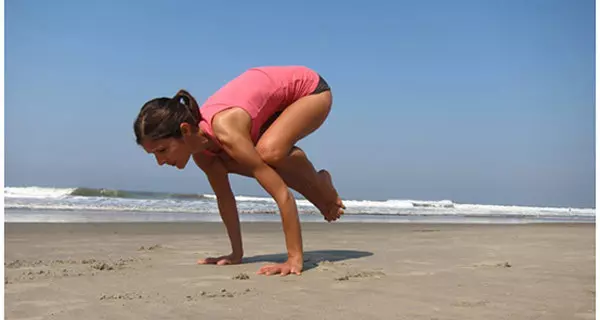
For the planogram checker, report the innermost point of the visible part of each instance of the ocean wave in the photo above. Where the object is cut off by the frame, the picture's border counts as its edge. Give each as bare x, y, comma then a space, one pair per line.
53, 193
57, 193
37, 192
43, 198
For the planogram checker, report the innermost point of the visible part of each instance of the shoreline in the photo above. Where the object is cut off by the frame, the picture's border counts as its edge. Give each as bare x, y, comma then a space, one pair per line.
255, 226
89, 216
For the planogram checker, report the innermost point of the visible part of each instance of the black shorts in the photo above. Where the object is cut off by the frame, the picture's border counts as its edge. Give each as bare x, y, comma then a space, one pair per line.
322, 86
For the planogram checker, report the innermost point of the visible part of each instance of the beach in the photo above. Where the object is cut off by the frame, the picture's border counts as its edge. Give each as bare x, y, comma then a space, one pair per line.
352, 271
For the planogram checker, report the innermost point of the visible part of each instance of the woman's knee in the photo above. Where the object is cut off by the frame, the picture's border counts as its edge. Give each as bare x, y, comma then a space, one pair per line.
271, 153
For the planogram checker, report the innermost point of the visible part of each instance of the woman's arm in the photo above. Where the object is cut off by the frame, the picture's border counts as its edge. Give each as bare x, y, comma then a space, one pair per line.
219, 181
238, 144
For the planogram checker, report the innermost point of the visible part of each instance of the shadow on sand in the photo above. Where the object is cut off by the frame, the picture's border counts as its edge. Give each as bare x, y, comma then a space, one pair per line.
311, 258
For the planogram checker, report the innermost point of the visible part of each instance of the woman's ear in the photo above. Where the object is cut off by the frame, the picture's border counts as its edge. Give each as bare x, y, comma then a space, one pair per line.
186, 129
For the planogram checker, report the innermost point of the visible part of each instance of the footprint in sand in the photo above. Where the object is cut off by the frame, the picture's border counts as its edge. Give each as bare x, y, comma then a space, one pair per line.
241, 276
109, 265
326, 265
471, 304
361, 274
151, 248
223, 293
493, 264
122, 296
62, 268
338, 267
426, 230
32, 275
17, 264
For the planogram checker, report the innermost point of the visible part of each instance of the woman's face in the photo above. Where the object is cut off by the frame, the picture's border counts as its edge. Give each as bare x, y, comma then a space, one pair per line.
171, 151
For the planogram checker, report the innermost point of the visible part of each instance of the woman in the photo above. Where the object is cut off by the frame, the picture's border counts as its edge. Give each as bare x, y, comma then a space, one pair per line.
250, 127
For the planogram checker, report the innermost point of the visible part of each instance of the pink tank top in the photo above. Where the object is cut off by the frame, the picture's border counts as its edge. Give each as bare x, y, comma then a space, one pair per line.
261, 91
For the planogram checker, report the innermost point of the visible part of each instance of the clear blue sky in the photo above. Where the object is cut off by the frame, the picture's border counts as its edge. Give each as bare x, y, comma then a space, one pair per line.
488, 102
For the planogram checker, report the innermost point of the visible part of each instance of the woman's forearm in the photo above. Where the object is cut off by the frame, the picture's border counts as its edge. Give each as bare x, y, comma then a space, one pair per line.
286, 203
219, 181
231, 219
291, 228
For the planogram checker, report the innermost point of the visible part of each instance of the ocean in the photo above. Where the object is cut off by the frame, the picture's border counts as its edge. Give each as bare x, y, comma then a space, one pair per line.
42, 204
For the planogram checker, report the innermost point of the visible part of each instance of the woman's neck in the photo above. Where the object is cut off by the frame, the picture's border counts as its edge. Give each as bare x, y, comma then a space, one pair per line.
205, 142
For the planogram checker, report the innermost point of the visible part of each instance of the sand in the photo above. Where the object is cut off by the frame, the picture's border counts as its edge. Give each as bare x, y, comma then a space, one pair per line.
352, 271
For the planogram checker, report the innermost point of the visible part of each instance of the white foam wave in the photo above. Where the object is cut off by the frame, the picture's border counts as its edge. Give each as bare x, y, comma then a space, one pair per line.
441, 207
40, 198
242, 198
392, 203
37, 192
141, 207
525, 209
399, 204
300, 202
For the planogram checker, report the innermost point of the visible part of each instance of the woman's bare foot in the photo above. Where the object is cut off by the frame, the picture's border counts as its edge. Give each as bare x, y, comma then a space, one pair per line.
332, 207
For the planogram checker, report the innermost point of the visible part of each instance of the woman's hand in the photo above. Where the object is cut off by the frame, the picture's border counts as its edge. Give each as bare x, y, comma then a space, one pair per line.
288, 267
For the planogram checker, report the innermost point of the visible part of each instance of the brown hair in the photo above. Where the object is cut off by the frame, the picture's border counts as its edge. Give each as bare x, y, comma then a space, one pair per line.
160, 118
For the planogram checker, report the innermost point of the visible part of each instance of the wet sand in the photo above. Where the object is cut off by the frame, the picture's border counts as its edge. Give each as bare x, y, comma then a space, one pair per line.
352, 271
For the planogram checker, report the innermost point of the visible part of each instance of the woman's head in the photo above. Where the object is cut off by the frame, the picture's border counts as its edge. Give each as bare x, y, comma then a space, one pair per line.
163, 124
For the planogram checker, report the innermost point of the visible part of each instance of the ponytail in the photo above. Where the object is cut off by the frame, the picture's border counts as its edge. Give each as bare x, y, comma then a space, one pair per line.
190, 103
